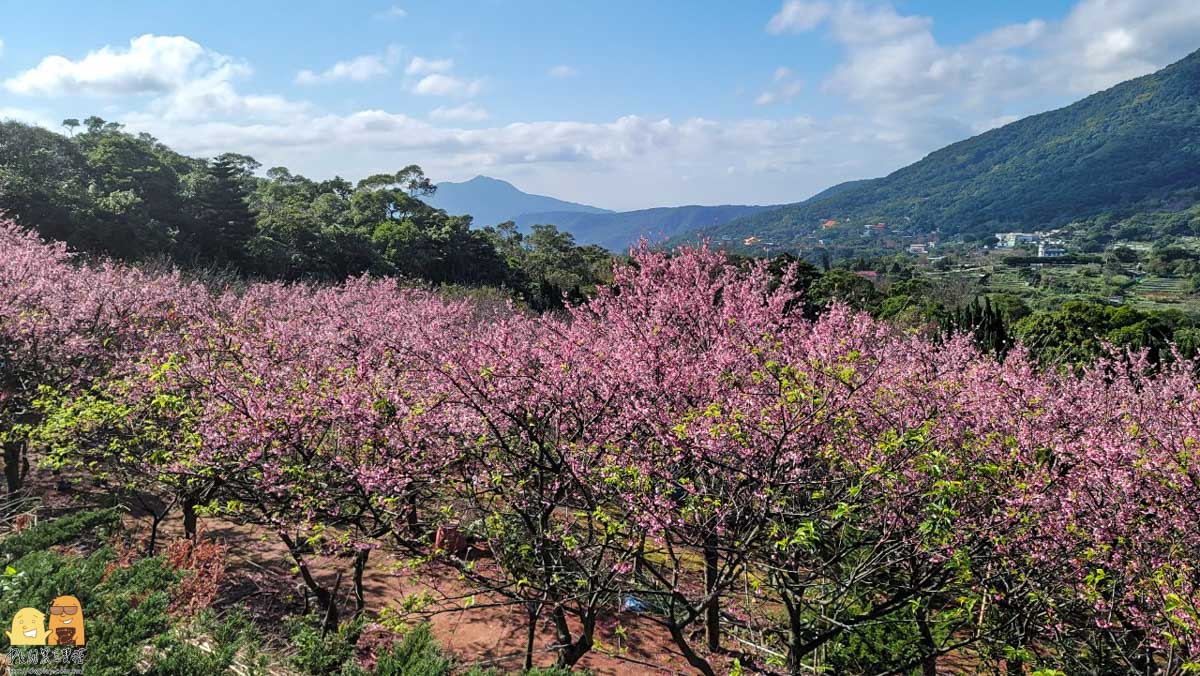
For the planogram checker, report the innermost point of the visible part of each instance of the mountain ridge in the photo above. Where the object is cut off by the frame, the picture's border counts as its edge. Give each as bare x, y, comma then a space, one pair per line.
619, 230
1137, 142
491, 201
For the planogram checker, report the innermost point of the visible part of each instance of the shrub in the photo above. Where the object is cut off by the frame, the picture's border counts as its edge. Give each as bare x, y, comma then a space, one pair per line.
57, 532
209, 645
320, 652
418, 654
124, 608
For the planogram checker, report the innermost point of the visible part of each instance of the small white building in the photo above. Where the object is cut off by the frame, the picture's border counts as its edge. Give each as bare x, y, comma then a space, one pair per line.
1009, 240
1051, 250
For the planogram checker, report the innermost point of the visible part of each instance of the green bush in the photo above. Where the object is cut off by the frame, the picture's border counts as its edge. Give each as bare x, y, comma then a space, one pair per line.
323, 653
227, 640
57, 532
123, 608
417, 655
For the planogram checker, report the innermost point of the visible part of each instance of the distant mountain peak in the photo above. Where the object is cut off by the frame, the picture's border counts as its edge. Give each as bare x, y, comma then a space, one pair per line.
481, 179
492, 200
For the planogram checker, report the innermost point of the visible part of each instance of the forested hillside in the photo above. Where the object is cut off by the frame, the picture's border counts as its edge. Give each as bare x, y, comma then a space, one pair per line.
104, 191
1133, 147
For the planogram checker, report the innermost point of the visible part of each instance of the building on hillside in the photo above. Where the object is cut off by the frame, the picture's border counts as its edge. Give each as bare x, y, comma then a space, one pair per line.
1051, 250
1008, 240
869, 274
831, 223
918, 249
750, 241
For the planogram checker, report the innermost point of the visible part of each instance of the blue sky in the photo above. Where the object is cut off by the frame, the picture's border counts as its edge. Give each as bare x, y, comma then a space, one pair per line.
619, 104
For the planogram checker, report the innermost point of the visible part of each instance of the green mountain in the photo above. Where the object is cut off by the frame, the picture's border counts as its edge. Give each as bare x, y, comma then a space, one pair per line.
617, 231
491, 201
1133, 147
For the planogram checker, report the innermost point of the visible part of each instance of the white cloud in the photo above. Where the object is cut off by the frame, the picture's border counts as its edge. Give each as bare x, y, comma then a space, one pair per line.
1, 47
1102, 42
358, 69
797, 16
439, 84
893, 65
467, 112
640, 159
152, 64
393, 12
995, 123
422, 66
562, 71
26, 116
1012, 36
908, 93
785, 85
187, 81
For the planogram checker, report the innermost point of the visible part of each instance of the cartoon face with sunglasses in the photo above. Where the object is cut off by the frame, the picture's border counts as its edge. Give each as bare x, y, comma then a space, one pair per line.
66, 622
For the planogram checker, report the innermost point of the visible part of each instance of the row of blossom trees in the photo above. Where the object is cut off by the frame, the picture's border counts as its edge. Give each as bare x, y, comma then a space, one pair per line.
831, 493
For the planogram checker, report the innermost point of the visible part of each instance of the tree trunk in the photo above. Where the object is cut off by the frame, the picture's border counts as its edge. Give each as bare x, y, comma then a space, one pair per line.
414, 523
928, 645
360, 565
712, 609
571, 651
326, 600
698, 663
189, 518
532, 609
637, 559
13, 458
156, 519
796, 639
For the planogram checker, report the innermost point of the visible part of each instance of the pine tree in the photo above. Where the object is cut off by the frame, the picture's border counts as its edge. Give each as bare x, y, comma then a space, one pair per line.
226, 223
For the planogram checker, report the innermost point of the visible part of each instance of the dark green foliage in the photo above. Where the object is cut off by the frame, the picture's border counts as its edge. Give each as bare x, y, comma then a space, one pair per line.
1077, 333
846, 287
985, 323
123, 607
109, 192
1073, 259
323, 652
417, 654
223, 223
57, 532
1132, 147
226, 640
547, 266
877, 647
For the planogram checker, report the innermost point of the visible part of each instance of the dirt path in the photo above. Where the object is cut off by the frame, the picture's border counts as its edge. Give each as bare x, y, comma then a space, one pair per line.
478, 630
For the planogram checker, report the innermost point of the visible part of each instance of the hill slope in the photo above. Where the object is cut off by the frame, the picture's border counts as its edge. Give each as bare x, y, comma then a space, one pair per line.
491, 201
1133, 145
617, 231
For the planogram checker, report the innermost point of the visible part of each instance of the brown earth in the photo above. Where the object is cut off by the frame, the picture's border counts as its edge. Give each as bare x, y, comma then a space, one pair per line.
478, 630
